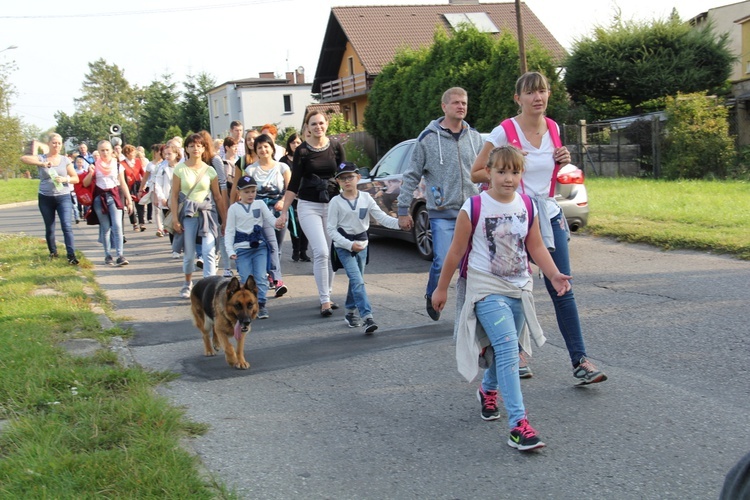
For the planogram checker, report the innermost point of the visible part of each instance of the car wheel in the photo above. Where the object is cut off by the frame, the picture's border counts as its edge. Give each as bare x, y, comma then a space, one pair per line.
422, 233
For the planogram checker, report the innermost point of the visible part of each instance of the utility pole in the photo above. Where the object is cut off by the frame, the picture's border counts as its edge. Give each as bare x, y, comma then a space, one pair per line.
521, 43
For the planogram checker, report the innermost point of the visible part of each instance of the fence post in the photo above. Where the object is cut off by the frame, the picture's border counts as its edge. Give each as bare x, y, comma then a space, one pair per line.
582, 143
655, 148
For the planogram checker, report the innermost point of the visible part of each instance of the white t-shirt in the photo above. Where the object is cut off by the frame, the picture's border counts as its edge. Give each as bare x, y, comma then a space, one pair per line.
498, 245
538, 168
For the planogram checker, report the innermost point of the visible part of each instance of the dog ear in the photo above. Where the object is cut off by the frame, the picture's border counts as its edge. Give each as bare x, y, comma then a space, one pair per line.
233, 286
250, 284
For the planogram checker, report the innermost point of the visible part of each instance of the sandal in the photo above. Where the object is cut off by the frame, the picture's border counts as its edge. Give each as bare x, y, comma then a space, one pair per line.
327, 312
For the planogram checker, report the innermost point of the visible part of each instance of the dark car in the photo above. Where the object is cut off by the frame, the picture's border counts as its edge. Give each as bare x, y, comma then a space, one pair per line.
383, 182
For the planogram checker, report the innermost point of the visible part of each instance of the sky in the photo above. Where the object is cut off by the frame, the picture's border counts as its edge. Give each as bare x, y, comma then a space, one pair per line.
228, 39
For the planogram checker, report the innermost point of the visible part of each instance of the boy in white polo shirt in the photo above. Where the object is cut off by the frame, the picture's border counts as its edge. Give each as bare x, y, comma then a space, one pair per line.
348, 221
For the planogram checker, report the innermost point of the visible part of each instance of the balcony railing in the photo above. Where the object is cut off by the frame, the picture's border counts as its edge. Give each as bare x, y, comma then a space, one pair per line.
346, 86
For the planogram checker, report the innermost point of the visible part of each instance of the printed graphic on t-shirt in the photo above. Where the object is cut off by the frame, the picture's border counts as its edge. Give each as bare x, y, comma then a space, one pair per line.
505, 236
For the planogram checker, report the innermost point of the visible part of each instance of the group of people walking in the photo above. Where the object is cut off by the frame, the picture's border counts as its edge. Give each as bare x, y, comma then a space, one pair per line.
490, 202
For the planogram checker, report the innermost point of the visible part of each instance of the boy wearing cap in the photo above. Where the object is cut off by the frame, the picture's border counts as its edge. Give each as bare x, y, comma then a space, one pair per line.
245, 238
348, 221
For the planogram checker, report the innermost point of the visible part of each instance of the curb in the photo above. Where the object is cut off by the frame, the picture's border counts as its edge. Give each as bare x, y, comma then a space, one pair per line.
19, 204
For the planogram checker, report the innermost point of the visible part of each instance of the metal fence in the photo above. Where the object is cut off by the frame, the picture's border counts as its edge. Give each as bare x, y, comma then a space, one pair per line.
631, 148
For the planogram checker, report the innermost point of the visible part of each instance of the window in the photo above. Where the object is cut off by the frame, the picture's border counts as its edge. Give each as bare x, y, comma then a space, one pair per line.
224, 105
216, 108
355, 118
392, 162
288, 103
350, 63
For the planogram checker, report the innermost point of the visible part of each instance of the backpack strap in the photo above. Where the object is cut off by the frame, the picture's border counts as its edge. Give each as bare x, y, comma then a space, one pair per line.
512, 136
529, 209
476, 208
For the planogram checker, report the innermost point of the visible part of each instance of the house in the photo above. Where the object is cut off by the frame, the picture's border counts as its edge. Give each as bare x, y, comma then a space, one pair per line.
257, 101
734, 20
359, 41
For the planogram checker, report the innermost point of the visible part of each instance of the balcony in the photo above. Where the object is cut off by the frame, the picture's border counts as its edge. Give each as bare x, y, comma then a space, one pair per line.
348, 86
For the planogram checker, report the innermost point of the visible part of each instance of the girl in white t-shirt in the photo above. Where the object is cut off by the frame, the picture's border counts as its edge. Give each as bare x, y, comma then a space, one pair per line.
532, 96
499, 302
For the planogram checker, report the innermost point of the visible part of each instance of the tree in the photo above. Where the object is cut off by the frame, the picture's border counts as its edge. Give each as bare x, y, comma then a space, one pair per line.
159, 111
698, 143
629, 63
406, 94
195, 109
11, 138
107, 99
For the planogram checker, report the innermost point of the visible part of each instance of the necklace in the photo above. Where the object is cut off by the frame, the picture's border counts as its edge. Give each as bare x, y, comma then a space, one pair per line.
319, 149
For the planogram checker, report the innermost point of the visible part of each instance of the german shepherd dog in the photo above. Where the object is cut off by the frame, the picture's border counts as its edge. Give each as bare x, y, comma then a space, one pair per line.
225, 308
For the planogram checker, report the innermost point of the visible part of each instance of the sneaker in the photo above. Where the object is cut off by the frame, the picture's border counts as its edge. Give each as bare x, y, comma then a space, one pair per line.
490, 411
73, 261
122, 261
262, 312
370, 326
524, 371
304, 258
352, 320
199, 263
108, 260
281, 289
523, 437
430, 310
586, 373
176, 255
185, 290
53, 255
228, 273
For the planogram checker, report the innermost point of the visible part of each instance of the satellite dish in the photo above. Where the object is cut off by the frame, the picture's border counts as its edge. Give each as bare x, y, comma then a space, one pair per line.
301, 70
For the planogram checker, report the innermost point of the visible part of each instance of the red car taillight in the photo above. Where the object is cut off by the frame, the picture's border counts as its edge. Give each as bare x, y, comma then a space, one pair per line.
574, 177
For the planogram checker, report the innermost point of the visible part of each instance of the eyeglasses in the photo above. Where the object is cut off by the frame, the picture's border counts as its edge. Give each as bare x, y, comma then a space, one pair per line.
347, 178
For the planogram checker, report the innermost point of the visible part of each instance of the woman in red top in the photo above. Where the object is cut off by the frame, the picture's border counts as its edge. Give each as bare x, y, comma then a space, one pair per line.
133, 168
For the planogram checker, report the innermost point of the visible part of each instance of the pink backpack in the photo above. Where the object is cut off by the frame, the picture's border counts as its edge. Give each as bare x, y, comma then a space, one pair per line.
513, 140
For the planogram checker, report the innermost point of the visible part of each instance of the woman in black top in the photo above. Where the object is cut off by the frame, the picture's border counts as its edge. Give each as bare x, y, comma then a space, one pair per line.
315, 162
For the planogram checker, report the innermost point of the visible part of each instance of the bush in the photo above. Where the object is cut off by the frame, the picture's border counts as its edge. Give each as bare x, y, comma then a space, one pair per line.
698, 144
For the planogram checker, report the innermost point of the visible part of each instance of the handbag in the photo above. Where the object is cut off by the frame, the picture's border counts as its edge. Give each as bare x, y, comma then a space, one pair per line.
85, 195
169, 218
146, 198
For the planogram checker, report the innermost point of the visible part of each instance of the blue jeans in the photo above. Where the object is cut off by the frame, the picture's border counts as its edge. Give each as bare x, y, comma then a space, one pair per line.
356, 295
63, 205
110, 225
502, 319
566, 309
190, 226
252, 262
442, 235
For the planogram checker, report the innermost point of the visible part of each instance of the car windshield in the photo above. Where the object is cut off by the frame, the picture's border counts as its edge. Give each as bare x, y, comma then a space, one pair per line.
393, 161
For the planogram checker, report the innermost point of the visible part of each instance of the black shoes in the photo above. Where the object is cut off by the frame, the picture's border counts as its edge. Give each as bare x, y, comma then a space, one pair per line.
430, 310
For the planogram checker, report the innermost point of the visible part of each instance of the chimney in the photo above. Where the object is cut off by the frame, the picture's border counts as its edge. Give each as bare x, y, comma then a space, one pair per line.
267, 74
290, 77
300, 77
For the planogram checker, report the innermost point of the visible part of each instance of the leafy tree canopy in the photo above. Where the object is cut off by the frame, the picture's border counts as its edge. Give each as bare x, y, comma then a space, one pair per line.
406, 94
621, 67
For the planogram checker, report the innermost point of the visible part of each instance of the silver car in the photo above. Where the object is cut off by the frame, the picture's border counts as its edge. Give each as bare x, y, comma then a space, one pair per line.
383, 182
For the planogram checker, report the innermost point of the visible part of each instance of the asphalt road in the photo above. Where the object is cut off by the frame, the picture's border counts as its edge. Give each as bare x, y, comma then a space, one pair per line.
325, 412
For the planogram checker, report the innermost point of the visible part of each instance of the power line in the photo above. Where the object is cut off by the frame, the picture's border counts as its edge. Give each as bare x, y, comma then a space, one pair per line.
142, 12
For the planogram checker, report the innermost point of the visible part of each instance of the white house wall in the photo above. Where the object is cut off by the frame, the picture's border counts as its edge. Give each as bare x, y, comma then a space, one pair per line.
261, 105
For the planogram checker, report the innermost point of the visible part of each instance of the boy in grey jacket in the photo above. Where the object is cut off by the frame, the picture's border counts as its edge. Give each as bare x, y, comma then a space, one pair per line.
443, 156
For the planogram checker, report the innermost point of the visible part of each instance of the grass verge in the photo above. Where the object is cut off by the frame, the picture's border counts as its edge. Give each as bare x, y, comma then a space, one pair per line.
79, 427
700, 215
16, 190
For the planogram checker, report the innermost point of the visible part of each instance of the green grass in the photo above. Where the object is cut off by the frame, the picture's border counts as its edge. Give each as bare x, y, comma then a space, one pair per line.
79, 427
15, 190
701, 215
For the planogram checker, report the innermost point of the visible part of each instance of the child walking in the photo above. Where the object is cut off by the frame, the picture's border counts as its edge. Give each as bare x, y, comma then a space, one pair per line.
348, 221
246, 240
494, 231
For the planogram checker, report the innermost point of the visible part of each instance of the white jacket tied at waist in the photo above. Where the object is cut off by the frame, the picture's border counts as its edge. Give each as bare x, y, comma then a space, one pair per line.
471, 336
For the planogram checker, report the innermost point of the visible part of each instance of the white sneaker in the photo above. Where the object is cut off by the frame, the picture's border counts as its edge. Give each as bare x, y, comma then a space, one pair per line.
185, 290
228, 273
176, 255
